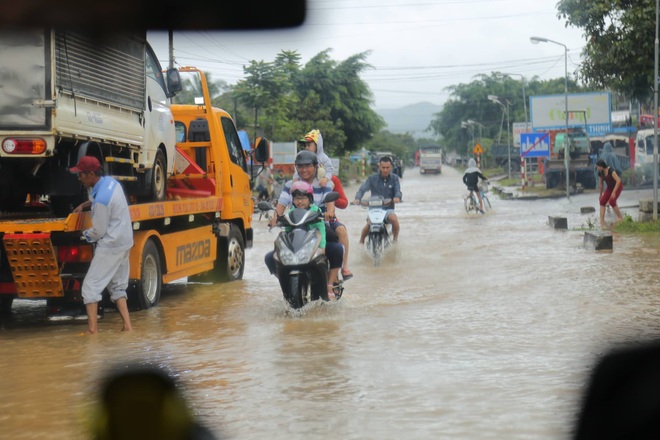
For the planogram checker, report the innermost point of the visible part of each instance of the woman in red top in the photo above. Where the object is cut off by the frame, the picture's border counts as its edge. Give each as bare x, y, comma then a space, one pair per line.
612, 191
340, 228
342, 202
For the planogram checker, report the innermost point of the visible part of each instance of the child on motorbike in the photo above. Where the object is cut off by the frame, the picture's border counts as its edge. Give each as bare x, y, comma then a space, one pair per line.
302, 194
313, 141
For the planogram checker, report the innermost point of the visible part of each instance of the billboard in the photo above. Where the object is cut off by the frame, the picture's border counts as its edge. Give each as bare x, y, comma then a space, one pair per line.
519, 128
548, 112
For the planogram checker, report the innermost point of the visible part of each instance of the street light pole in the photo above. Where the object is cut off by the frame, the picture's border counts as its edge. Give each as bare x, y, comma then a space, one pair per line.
508, 123
536, 40
522, 80
655, 120
468, 124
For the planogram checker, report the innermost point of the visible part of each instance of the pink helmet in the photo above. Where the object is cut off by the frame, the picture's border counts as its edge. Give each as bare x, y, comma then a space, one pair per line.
303, 188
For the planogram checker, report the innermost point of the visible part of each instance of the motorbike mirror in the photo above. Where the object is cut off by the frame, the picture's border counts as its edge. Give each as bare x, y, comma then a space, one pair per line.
264, 206
331, 197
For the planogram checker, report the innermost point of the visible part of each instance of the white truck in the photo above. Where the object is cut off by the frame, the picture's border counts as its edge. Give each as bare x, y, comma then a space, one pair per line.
430, 160
65, 94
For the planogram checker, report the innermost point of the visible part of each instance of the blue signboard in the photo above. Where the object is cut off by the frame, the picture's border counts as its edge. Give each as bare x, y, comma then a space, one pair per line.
534, 144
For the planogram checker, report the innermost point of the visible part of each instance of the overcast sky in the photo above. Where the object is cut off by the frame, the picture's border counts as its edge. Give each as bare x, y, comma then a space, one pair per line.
418, 47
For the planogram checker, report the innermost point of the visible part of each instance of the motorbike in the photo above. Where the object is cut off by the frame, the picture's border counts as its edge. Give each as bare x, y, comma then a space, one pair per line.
378, 239
301, 266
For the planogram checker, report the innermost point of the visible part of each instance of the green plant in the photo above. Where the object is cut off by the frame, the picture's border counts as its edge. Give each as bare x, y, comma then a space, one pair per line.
591, 223
629, 225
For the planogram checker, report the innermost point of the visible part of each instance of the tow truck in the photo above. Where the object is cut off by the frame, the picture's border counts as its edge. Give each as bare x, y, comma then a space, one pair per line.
200, 231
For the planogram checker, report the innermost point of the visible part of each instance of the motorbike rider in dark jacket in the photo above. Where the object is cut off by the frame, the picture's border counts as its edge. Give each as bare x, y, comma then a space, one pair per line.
386, 184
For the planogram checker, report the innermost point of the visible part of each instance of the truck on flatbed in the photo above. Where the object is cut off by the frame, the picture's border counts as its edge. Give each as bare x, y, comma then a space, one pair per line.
65, 94
200, 231
581, 166
430, 160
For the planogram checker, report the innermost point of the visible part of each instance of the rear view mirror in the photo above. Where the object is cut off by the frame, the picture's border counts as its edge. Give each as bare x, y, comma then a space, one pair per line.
173, 81
331, 197
261, 150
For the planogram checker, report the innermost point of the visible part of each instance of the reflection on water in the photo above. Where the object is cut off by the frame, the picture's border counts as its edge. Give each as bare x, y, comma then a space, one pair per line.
472, 327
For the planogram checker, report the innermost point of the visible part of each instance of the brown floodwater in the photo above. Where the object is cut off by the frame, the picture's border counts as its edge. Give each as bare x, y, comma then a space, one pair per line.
473, 327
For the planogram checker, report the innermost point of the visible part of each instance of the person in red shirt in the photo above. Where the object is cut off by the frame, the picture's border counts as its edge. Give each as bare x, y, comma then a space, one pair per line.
340, 228
613, 189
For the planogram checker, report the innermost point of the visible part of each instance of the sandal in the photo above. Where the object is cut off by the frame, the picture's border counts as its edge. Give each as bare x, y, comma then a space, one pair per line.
346, 274
331, 293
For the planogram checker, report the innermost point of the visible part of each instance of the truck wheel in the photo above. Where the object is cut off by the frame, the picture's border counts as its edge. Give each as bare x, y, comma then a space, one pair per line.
12, 199
231, 255
147, 292
63, 205
159, 177
5, 304
229, 261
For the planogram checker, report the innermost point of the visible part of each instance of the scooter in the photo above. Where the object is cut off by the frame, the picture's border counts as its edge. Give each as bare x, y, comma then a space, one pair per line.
301, 266
378, 239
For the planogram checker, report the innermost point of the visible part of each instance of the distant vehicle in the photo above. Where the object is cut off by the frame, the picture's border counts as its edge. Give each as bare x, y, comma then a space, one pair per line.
644, 147
620, 146
430, 160
582, 161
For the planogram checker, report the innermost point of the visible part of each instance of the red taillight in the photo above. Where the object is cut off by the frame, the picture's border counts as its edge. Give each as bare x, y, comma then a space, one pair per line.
24, 146
75, 254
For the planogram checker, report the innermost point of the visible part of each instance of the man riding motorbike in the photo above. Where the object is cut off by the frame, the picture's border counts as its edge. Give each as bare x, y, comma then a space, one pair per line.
386, 184
306, 164
303, 198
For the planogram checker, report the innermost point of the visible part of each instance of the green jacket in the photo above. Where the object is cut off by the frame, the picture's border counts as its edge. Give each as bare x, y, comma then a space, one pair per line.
320, 225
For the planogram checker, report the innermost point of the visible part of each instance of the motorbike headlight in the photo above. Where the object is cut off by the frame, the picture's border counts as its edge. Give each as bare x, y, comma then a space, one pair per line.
303, 256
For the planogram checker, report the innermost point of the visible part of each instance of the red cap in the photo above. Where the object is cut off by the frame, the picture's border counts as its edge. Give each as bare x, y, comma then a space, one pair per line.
87, 164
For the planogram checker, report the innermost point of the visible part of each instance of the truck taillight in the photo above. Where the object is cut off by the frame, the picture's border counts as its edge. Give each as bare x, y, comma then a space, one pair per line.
23, 146
75, 254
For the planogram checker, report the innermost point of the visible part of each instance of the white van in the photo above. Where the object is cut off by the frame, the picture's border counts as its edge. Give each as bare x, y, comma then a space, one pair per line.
644, 148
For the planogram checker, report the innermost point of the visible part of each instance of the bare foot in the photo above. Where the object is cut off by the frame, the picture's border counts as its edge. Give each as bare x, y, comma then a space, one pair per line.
128, 328
91, 332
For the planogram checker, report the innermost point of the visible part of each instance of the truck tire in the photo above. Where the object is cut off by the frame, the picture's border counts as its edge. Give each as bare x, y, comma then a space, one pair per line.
6, 301
12, 199
551, 180
147, 292
229, 262
231, 255
158, 184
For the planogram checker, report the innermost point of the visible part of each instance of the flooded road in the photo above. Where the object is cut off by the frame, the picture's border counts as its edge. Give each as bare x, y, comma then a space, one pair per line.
473, 328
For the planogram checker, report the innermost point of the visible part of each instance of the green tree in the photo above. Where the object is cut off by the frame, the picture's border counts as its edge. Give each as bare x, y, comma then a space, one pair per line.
336, 101
619, 50
267, 89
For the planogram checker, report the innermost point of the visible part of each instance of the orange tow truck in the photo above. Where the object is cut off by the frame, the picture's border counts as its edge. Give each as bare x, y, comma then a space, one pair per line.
200, 231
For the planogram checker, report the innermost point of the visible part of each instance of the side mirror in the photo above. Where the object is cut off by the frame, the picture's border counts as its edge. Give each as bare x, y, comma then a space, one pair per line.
331, 197
261, 150
264, 206
173, 81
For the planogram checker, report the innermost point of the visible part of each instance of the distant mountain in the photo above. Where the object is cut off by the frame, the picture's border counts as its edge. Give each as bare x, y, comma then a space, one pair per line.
414, 118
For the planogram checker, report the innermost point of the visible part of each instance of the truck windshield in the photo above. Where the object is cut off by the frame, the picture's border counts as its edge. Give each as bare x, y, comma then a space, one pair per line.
191, 93
649, 144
